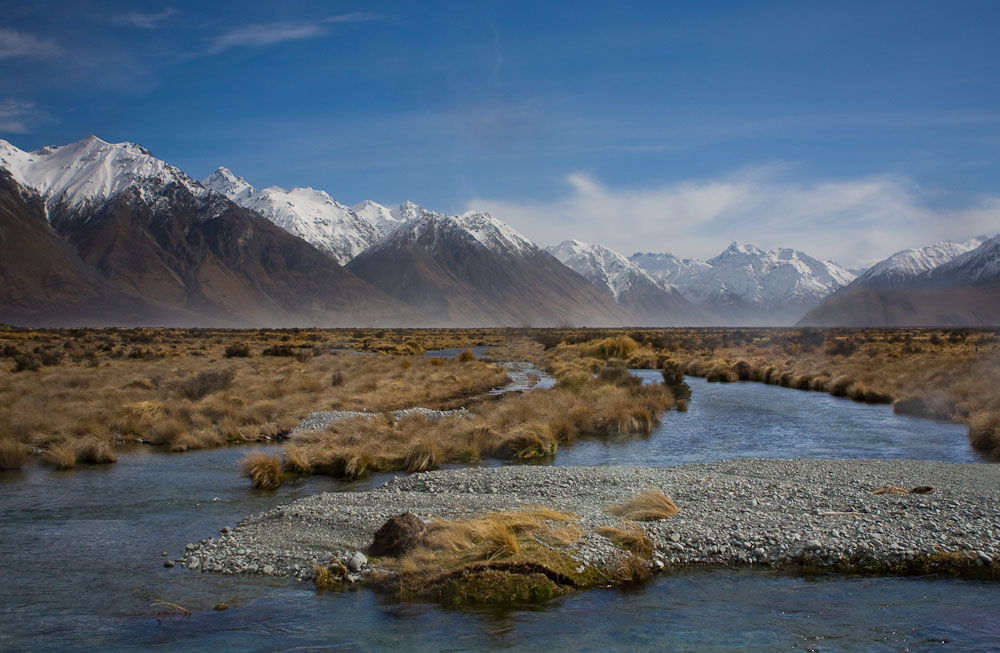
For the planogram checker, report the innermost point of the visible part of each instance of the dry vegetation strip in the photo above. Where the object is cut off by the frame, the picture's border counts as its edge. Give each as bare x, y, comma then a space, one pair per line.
73, 395
519, 426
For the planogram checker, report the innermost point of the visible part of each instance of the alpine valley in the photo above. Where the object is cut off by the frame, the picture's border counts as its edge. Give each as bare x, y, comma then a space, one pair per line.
95, 233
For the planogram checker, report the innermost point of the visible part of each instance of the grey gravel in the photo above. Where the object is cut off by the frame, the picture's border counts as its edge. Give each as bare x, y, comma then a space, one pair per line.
324, 418
733, 512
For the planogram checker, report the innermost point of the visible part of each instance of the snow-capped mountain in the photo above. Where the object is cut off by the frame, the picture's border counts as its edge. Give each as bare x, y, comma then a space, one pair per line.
909, 264
152, 245
380, 217
749, 285
90, 171
307, 213
473, 270
652, 302
913, 288
603, 267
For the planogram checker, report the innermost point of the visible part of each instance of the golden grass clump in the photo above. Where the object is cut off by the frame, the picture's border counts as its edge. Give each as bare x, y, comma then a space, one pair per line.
95, 451
263, 469
13, 454
61, 454
648, 505
632, 538
984, 432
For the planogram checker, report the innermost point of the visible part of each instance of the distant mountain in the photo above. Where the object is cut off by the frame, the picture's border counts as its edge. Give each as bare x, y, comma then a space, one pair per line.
473, 270
931, 286
119, 221
747, 285
908, 264
310, 214
651, 302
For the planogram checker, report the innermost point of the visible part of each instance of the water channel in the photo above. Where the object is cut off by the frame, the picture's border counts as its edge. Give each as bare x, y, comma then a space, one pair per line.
81, 565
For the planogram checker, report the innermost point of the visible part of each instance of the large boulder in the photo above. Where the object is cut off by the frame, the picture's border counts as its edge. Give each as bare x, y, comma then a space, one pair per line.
397, 536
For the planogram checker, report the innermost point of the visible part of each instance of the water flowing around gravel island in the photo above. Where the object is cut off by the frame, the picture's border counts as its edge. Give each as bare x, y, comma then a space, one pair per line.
82, 567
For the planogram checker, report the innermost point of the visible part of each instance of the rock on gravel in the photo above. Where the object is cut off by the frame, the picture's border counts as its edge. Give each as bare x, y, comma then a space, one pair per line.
733, 512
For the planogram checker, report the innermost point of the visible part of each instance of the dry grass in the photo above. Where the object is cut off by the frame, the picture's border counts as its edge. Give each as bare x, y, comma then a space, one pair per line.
517, 426
13, 454
631, 537
61, 454
263, 470
195, 389
503, 557
649, 505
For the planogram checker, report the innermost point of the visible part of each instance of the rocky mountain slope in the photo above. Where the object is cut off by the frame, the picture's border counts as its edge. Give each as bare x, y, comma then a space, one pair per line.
472, 270
931, 286
179, 252
310, 214
908, 264
747, 285
651, 302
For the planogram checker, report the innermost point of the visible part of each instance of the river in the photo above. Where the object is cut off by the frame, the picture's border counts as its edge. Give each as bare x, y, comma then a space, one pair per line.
81, 565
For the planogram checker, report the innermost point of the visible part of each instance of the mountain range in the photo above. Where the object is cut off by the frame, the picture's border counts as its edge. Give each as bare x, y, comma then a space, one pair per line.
747, 285
101, 233
944, 284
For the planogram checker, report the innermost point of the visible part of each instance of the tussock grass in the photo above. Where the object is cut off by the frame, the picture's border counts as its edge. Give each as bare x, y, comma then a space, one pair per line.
95, 451
263, 470
631, 537
13, 454
503, 557
516, 426
648, 505
61, 454
195, 389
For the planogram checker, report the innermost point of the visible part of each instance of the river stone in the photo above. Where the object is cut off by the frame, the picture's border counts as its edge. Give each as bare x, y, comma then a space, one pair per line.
357, 561
397, 536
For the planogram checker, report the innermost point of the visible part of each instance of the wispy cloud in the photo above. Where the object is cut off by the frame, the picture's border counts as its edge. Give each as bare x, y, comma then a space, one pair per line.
14, 44
272, 33
144, 20
17, 116
851, 221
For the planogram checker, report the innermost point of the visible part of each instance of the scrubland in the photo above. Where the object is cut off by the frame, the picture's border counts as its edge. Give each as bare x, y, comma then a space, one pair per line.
73, 396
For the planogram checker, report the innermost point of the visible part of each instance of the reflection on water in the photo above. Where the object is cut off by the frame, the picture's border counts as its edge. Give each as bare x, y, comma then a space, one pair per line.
81, 565
748, 419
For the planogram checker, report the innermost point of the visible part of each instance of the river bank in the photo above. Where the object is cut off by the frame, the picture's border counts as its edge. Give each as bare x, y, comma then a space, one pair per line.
819, 514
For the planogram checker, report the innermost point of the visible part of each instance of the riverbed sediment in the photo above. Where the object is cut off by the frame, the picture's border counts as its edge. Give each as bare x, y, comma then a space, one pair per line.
818, 513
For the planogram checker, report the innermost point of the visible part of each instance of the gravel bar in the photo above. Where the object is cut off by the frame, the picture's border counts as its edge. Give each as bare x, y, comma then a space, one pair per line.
733, 512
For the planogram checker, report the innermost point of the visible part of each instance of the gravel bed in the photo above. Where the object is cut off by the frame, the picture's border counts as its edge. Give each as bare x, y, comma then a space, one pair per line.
733, 512
324, 418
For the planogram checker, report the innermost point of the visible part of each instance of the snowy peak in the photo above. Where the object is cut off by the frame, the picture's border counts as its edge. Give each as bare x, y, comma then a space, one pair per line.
977, 265
751, 280
430, 227
909, 264
376, 215
605, 268
307, 213
224, 182
91, 170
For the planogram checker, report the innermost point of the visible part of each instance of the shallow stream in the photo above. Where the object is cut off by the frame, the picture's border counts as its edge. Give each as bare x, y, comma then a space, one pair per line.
81, 565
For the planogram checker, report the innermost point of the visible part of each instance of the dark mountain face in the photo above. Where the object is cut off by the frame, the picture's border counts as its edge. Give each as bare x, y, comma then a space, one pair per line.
43, 281
962, 292
436, 266
182, 259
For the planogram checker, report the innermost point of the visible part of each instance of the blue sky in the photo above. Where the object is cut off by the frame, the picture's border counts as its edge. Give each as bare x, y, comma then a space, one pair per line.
848, 129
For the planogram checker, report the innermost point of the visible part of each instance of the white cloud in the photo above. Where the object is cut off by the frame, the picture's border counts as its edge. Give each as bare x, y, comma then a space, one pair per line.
16, 116
851, 221
15, 44
144, 21
272, 33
